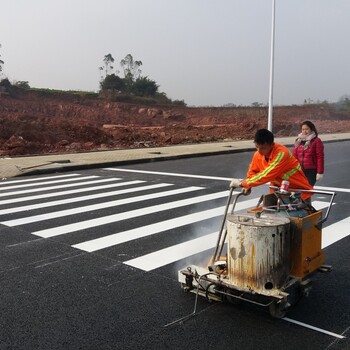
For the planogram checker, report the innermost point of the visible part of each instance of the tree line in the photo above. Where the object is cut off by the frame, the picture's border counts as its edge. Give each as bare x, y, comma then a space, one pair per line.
130, 86
132, 82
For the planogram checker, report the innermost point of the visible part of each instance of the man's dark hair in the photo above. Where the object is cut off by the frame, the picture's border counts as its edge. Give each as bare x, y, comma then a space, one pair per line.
263, 136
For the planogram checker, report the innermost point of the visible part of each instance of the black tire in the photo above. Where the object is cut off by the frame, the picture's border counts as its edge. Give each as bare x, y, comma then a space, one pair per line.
277, 309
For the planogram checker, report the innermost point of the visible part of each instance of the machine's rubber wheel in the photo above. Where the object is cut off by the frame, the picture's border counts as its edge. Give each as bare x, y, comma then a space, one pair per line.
277, 309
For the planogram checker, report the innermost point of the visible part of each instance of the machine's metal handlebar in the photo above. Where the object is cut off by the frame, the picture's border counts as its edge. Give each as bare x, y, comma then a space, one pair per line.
330, 193
223, 230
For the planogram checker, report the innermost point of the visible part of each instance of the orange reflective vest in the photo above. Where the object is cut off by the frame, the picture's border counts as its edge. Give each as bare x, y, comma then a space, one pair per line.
280, 165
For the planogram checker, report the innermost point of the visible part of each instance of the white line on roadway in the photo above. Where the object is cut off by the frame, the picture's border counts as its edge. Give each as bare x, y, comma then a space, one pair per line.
21, 180
50, 182
335, 189
85, 198
49, 188
171, 174
144, 231
314, 328
98, 206
335, 232
78, 190
55, 231
183, 250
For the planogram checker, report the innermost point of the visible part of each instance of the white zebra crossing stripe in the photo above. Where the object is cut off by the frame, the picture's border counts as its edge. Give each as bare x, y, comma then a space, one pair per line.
335, 232
115, 183
126, 215
183, 250
171, 174
85, 198
148, 230
51, 182
174, 253
51, 188
21, 180
104, 205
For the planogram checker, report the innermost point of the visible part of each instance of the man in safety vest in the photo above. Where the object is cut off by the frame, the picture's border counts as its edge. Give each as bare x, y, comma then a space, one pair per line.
273, 162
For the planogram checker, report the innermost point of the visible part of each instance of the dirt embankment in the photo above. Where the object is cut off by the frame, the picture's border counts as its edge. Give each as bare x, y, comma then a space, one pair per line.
31, 124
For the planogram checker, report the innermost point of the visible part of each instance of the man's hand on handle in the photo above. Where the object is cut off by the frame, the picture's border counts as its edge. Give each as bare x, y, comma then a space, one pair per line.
236, 183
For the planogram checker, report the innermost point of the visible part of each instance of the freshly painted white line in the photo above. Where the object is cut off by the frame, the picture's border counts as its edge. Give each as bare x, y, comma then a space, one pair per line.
49, 188
174, 253
68, 192
314, 328
99, 206
183, 250
50, 182
335, 232
333, 189
148, 230
21, 180
84, 198
171, 174
55, 231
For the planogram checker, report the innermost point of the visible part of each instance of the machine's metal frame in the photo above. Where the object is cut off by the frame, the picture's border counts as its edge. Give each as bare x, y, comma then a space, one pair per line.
212, 283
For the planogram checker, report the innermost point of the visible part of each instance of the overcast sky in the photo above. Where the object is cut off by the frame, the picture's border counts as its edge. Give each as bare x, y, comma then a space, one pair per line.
206, 52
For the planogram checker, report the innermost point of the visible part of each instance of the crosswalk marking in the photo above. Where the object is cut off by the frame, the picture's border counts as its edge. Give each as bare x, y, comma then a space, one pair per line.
51, 232
85, 198
104, 205
171, 174
147, 230
335, 232
66, 185
50, 188
183, 250
125, 236
115, 183
21, 180
174, 253
51, 182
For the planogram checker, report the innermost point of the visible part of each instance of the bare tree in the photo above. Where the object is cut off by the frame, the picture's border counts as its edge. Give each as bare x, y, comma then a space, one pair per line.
107, 68
1, 63
131, 68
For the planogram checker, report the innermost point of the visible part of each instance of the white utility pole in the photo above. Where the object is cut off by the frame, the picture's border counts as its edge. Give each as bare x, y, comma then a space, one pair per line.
269, 122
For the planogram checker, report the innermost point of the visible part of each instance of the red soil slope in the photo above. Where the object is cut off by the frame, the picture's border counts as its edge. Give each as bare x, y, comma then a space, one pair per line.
36, 125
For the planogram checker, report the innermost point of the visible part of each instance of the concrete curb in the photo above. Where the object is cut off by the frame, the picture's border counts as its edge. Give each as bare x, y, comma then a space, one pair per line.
46, 164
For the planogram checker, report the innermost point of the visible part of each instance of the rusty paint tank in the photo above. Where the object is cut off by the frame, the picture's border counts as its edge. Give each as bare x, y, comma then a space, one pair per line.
258, 252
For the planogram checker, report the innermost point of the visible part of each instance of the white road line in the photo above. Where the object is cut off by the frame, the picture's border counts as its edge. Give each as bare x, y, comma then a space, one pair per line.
314, 328
183, 250
55, 231
68, 192
49, 188
318, 205
83, 198
50, 182
148, 230
333, 189
174, 253
171, 174
21, 180
335, 232
99, 206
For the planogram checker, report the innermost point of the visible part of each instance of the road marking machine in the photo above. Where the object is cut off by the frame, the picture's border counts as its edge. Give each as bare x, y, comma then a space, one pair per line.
271, 253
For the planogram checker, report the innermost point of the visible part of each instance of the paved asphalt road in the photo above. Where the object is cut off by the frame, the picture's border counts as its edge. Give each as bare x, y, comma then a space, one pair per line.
89, 260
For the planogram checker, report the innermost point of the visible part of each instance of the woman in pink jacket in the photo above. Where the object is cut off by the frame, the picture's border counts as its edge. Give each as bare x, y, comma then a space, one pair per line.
309, 151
